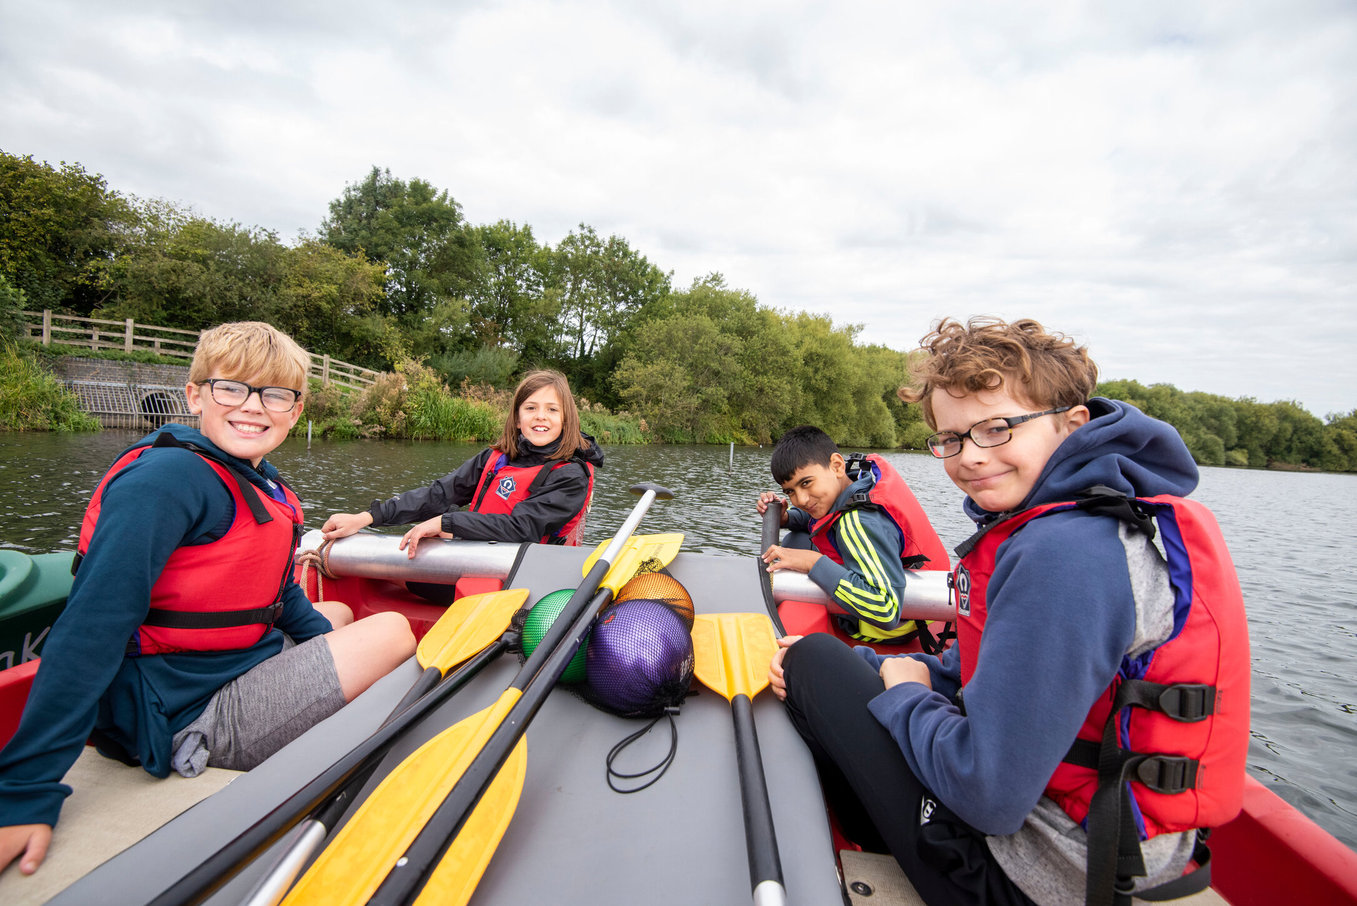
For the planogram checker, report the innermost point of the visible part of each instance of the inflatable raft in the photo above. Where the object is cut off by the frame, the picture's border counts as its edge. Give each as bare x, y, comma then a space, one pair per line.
571, 838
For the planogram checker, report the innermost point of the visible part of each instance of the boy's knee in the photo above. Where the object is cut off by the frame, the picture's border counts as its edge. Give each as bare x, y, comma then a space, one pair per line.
391, 632
337, 612
811, 660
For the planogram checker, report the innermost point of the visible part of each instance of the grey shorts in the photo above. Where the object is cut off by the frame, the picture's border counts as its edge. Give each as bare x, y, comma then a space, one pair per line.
259, 712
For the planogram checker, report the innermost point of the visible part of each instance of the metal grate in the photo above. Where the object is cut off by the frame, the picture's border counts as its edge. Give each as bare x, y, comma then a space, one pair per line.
133, 405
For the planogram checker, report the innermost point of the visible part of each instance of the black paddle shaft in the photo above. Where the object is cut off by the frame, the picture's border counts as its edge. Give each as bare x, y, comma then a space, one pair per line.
772, 525
405, 881
536, 679
764, 864
205, 878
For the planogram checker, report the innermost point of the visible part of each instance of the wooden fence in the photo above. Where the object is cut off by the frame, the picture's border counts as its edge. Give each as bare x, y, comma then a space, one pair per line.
129, 336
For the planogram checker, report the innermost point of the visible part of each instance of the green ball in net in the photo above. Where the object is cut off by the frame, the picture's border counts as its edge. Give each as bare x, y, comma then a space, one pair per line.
539, 620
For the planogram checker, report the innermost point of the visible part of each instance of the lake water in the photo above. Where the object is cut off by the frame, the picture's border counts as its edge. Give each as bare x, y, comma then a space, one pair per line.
1291, 535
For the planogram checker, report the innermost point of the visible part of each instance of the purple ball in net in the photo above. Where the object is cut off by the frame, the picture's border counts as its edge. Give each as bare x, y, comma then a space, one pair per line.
639, 660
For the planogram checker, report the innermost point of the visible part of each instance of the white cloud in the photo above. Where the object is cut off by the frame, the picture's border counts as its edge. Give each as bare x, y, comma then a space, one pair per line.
1172, 183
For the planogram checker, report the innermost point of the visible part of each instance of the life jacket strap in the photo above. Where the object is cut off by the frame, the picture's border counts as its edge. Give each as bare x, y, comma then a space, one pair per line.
1114, 856
221, 619
248, 491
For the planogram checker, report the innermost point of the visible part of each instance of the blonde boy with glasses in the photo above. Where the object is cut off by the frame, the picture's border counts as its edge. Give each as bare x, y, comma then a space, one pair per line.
185, 641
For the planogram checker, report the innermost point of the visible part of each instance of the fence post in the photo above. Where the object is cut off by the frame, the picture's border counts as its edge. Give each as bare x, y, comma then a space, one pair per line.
127, 337
47, 327
325, 370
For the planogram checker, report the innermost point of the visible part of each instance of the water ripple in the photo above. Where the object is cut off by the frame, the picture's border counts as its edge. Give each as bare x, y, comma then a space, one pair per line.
1291, 535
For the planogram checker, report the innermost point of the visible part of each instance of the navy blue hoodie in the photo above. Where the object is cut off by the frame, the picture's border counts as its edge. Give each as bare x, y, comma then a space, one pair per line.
165, 498
1061, 615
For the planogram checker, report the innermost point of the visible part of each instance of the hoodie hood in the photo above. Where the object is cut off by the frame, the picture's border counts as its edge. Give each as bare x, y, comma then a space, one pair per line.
1120, 448
529, 452
261, 476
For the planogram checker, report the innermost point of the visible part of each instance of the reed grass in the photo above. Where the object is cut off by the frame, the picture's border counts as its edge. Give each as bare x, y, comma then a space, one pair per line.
31, 399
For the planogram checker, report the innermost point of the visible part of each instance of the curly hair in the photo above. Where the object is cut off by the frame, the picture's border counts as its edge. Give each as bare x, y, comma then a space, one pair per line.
987, 353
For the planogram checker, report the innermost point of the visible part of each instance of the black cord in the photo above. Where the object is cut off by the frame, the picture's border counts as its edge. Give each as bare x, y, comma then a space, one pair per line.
661, 767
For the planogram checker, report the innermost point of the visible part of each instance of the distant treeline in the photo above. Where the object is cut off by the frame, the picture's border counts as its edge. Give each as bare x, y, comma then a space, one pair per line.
395, 276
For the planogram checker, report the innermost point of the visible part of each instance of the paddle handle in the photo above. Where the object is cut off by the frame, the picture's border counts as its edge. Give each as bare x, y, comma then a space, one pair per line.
772, 527
765, 867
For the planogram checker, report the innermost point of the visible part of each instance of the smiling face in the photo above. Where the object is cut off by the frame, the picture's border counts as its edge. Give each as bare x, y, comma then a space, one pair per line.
998, 479
247, 431
539, 416
815, 487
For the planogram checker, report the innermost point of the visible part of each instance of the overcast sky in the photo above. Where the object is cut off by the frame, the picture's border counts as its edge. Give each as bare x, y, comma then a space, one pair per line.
1172, 183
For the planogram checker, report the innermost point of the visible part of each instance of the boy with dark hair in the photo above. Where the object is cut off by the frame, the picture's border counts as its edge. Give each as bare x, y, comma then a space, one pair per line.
1102, 650
855, 528
175, 650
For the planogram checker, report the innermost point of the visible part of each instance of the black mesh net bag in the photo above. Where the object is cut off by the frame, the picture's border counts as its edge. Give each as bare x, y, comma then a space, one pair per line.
639, 660
662, 587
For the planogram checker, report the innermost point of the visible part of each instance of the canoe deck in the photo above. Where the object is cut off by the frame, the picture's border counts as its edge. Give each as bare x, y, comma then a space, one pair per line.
572, 840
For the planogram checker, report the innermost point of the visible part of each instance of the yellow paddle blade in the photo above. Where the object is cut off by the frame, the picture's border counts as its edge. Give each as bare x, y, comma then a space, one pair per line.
733, 651
359, 857
468, 626
460, 869
642, 553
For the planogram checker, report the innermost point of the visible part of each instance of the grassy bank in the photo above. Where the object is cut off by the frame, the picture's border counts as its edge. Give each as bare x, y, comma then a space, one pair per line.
31, 399
414, 403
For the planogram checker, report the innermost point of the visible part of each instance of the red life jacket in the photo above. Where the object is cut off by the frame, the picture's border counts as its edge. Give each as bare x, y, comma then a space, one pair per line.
1172, 729
196, 601
920, 546
513, 484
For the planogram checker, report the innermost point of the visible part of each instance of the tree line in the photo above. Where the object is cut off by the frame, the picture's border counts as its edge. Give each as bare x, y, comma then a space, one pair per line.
395, 274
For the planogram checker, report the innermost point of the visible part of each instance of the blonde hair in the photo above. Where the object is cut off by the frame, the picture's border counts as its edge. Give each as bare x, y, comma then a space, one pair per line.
986, 353
571, 439
250, 351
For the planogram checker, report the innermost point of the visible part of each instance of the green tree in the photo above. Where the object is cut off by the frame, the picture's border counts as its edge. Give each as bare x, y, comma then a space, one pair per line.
1341, 438
839, 391
328, 301
511, 307
713, 348
57, 227
12, 304
180, 270
433, 261
601, 287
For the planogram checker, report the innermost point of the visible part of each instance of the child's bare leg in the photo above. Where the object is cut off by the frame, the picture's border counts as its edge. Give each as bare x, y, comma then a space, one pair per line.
369, 649
337, 612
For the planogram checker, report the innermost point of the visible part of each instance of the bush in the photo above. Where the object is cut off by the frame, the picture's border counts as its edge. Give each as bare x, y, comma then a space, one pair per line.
614, 429
487, 365
381, 408
329, 409
31, 399
414, 402
12, 302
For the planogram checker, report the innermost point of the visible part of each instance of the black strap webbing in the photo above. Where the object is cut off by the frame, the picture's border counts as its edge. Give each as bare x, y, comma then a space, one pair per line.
251, 493
219, 619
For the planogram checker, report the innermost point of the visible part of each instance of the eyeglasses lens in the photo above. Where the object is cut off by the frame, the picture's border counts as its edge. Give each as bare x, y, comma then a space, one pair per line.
234, 393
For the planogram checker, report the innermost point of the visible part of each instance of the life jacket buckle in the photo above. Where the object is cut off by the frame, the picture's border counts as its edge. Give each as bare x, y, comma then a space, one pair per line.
1167, 774
275, 612
1188, 702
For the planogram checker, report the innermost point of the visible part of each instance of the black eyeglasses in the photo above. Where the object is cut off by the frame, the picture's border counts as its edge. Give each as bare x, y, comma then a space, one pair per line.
235, 393
992, 432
